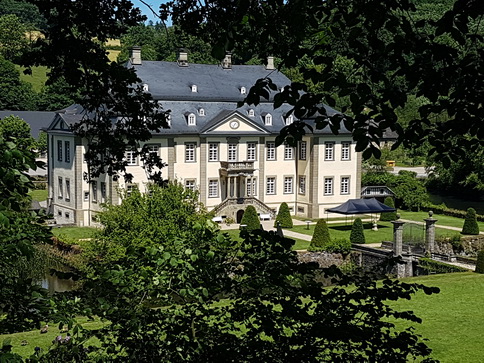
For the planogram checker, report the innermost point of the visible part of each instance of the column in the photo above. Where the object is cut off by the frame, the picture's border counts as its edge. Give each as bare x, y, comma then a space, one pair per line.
397, 237
430, 233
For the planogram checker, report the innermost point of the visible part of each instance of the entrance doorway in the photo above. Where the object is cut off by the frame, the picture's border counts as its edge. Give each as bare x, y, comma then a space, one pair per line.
240, 213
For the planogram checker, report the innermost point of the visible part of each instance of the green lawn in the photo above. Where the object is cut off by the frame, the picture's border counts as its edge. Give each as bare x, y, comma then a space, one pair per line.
39, 194
300, 244
452, 319
44, 341
441, 219
74, 233
37, 79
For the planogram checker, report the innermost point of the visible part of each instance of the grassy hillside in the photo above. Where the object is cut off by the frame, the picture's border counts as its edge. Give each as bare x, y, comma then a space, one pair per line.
37, 79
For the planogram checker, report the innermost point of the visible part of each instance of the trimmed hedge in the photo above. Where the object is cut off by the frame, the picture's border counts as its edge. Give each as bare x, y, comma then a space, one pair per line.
341, 245
357, 235
250, 218
470, 224
438, 267
480, 263
389, 216
444, 210
284, 216
321, 238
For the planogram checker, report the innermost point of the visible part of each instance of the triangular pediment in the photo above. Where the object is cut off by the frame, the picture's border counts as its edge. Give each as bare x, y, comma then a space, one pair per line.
59, 124
233, 122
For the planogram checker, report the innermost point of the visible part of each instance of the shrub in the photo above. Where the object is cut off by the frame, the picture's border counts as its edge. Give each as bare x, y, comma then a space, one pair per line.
470, 223
250, 218
341, 245
357, 235
389, 216
438, 267
321, 237
284, 216
480, 262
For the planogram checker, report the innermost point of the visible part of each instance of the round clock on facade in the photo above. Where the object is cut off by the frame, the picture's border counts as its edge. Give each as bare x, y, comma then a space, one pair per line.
234, 124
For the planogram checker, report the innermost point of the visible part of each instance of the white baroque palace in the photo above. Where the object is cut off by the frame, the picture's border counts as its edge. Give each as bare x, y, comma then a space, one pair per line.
227, 153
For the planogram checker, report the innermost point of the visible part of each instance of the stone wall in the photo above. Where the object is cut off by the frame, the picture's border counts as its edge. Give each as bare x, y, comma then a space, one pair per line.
470, 246
323, 259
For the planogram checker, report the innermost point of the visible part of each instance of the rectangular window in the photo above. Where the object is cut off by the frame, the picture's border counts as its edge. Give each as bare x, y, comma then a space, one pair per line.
251, 187
60, 190
288, 152
302, 150
288, 182
345, 151
153, 149
94, 191
103, 192
232, 156
130, 188
345, 185
68, 189
251, 151
213, 188
329, 151
59, 150
213, 152
271, 150
328, 186
302, 185
271, 185
67, 148
190, 148
131, 158
190, 184
86, 196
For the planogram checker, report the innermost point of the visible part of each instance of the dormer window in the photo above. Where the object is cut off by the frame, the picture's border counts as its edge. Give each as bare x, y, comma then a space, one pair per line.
145, 87
251, 113
243, 90
194, 88
192, 120
201, 112
268, 119
289, 119
168, 119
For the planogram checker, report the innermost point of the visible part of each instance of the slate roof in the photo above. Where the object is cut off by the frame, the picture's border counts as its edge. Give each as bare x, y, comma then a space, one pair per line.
36, 119
218, 94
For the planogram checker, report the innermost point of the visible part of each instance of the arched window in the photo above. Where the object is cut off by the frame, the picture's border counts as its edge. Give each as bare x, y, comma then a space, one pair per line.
289, 119
145, 87
194, 88
243, 90
268, 119
192, 120
251, 113
201, 112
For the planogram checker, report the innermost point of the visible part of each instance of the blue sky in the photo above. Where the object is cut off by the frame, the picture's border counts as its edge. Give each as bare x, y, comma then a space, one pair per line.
155, 4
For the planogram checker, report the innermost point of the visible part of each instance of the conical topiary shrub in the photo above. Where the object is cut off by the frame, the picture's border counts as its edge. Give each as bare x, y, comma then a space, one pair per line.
480, 262
470, 224
321, 237
250, 219
388, 216
357, 235
284, 216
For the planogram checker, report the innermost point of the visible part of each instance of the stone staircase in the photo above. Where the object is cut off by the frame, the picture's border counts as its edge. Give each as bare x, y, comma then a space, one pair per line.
230, 206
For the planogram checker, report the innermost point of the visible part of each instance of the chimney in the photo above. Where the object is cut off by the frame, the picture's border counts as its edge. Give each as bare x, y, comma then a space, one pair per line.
227, 62
182, 58
135, 57
270, 63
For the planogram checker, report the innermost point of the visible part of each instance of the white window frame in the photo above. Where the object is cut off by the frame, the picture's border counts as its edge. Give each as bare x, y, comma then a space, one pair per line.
68, 190
190, 184
213, 188
251, 112
329, 151
190, 152
201, 112
268, 119
153, 149
60, 189
251, 151
86, 196
271, 185
328, 186
302, 184
213, 153
131, 157
232, 152
271, 151
289, 120
192, 119
302, 150
288, 152
345, 150
243, 90
251, 186
103, 192
59, 150
94, 191
288, 184
345, 185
